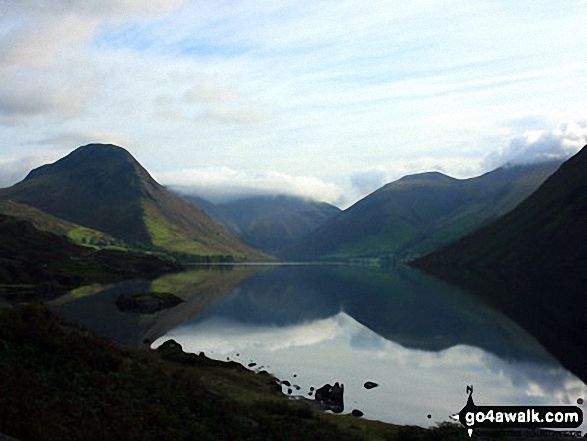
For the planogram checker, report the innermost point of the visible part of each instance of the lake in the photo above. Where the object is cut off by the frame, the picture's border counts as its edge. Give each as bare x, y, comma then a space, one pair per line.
420, 339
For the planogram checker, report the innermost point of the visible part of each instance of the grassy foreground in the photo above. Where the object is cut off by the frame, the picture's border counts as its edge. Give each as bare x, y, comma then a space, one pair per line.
62, 382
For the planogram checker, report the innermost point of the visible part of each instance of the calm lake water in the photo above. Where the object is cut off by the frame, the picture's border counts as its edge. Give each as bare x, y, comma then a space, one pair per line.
421, 340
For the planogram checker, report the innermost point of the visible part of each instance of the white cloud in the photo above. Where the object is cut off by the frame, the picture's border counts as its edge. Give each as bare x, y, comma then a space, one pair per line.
327, 90
224, 183
208, 102
368, 181
541, 145
23, 98
45, 66
14, 168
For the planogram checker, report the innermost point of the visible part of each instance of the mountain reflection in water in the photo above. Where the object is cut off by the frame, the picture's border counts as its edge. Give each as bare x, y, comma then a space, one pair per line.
420, 339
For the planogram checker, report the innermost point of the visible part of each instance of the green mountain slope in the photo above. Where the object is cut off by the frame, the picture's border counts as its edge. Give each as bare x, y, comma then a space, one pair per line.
420, 213
52, 224
546, 231
531, 263
39, 263
101, 186
269, 223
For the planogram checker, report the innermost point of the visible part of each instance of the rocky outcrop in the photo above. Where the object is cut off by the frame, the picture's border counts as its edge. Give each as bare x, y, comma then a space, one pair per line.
331, 397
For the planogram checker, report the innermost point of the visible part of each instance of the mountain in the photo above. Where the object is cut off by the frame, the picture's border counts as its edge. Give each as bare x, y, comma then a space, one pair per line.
38, 263
101, 186
544, 232
269, 223
530, 264
47, 222
420, 213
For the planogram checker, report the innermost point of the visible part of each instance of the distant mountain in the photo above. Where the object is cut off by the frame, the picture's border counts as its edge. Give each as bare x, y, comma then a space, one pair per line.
269, 223
420, 213
546, 231
101, 186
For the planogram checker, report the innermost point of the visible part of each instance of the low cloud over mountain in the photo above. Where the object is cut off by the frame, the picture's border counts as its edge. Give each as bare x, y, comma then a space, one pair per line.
220, 184
541, 145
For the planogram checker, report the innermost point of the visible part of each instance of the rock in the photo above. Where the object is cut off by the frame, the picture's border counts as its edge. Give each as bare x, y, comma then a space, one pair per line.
252, 365
357, 413
146, 302
370, 385
286, 383
331, 397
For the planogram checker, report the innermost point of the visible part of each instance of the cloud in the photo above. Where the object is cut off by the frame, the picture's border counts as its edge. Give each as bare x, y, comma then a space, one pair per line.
69, 141
209, 92
45, 150
45, 64
209, 102
40, 30
224, 183
368, 181
26, 97
13, 169
540, 145
226, 336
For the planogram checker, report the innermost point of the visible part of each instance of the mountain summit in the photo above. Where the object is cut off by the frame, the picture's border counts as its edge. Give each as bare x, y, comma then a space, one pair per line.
545, 231
102, 186
420, 213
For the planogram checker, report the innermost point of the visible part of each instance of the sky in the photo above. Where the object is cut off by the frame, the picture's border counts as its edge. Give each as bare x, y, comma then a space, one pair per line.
323, 99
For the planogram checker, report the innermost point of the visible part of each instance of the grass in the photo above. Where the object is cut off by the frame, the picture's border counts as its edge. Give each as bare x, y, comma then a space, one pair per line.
167, 236
61, 381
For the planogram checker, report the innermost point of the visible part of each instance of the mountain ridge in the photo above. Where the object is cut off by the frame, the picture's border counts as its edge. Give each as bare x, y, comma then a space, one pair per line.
269, 223
102, 186
419, 213
542, 231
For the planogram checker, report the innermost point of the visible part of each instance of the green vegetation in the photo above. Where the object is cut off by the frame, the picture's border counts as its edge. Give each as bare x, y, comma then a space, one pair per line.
420, 213
169, 237
100, 196
39, 264
531, 263
60, 381
544, 232
52, 224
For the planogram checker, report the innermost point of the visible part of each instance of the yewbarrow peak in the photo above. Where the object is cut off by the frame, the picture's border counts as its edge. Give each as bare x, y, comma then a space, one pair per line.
102, 186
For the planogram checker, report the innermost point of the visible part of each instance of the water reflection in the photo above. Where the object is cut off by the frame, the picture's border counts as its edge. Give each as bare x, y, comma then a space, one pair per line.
95, 306
422, 340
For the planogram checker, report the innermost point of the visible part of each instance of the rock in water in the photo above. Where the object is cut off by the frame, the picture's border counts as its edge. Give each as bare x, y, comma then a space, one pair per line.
146, 302
370, 385
331, 397
357, 413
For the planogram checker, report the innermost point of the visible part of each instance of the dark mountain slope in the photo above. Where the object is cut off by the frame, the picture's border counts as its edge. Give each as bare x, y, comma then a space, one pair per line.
546, 231
39, 263
99, 186
268, 223
52, 224
103, 187
531, 263
420, 213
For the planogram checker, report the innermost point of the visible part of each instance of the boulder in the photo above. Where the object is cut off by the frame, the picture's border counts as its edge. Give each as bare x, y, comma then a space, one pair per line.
331, 397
